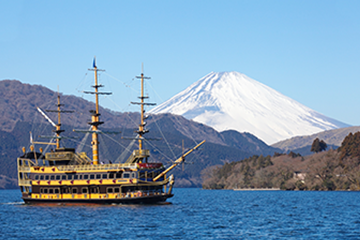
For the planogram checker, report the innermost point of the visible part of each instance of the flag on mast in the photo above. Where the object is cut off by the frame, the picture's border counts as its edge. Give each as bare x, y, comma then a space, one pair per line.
94, 62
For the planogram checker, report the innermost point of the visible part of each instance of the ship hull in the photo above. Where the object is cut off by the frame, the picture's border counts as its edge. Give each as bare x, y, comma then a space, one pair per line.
133, 200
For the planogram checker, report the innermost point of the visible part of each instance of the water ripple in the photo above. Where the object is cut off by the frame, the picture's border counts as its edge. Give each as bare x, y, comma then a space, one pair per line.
193, 214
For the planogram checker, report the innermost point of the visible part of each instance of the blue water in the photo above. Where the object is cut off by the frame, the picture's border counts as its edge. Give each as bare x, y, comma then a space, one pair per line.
193, 214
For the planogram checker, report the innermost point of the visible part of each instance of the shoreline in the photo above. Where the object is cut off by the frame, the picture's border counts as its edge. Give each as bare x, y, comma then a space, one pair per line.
256, 189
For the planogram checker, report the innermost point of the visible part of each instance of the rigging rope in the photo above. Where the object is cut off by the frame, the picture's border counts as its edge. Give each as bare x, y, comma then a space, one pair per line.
106, 151
122, 156
154, 147
167, 143
115, 141
126, 85
176, 119
83, 141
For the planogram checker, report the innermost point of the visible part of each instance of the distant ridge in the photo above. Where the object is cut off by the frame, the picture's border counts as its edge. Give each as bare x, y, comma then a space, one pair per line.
331, 137
232, 100
19, 101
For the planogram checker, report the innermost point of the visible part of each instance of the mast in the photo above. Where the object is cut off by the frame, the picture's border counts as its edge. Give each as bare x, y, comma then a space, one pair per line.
142, 103
95, 115
58, 126
178, 161
58, 129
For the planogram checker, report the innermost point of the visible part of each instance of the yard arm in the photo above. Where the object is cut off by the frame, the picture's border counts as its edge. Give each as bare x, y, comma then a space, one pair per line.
178, 161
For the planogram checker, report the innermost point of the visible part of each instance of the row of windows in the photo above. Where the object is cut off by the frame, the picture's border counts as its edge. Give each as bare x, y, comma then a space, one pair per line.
113, 190
50, 190
73, 190
85, 176
85, 190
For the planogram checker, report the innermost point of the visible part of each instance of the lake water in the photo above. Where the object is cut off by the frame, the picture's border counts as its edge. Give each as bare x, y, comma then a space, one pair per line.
193, 214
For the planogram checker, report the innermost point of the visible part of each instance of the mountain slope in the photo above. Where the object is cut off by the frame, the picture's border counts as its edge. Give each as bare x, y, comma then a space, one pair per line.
18, 102
231, 100
19, 117
331, 137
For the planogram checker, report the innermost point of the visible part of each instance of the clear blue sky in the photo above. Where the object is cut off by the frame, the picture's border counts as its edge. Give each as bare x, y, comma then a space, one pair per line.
307, 50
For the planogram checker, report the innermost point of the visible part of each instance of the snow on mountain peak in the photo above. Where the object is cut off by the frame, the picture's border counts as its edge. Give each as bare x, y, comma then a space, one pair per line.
232, 100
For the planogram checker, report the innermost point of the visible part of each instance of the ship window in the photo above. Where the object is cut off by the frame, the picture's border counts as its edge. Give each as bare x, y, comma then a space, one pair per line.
86, 176
52, 177
116, 190
94, 190
109, 190
76, 177
70, 177
45, 190
126, 175
133, 175
80, 176
57, 177
63, 177
92, 176
51, 190
41, 190
47, 177
36, 177
84, 190
65, 190
56, 191
111, 175
42, 177
104, 176
118, 175
74, 190
98, 176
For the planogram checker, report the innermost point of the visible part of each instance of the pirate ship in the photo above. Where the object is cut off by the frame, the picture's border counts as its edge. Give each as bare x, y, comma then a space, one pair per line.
64, 176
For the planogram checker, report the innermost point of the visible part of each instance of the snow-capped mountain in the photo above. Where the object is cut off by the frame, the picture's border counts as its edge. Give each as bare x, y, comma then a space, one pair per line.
232, 100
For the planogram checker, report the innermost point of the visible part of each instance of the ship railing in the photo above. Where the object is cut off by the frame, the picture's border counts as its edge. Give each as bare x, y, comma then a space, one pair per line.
80, 159
24, 182
24, 164
114, 167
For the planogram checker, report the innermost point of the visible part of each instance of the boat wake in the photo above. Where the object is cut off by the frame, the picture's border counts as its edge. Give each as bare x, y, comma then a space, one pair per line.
13, 203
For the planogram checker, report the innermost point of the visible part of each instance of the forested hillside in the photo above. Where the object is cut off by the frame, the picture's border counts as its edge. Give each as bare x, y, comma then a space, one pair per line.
329, 170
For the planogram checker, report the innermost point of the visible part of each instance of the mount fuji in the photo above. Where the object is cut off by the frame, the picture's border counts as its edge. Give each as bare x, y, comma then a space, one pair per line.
232, 100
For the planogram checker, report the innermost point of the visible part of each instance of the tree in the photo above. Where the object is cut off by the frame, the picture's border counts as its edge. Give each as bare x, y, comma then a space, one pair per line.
350, 147
318, 146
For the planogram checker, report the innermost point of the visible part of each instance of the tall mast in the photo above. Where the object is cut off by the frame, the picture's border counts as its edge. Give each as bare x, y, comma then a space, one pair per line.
95, 115
58, 129
142, 103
